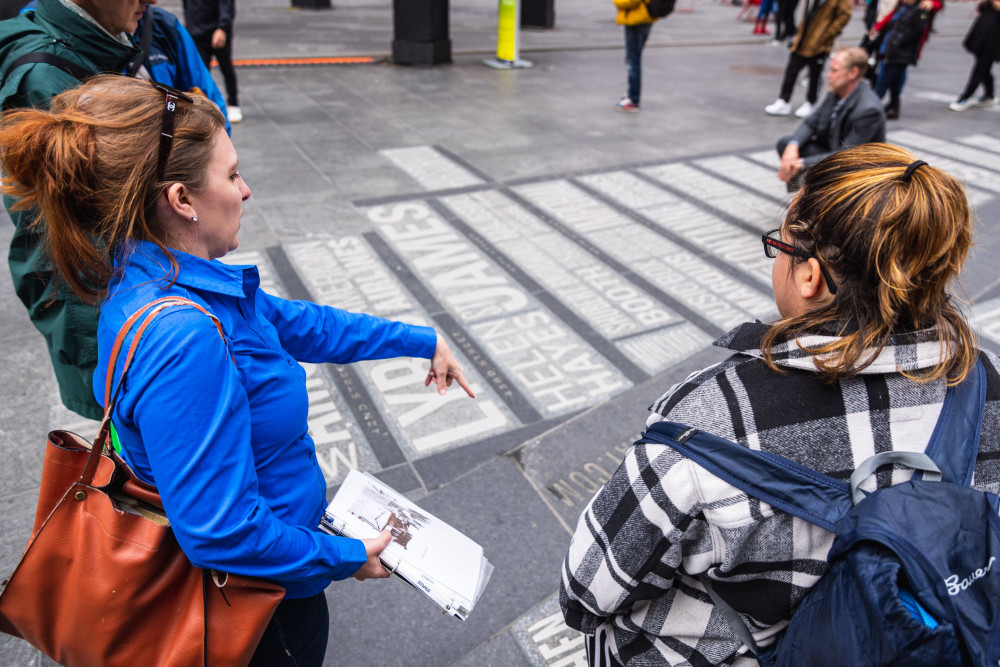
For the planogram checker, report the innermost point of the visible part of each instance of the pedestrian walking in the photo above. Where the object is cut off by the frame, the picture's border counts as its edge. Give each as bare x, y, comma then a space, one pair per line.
634, 15
822, 21
11, 8
983, 42
210, 23
903, 33
170, 56
784, 29
763, 14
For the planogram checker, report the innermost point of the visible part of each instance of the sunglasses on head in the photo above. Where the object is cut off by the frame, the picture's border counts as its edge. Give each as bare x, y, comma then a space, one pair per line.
171, 96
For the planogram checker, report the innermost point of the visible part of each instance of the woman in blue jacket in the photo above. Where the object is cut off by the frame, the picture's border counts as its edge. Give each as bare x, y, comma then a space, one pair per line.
218, 424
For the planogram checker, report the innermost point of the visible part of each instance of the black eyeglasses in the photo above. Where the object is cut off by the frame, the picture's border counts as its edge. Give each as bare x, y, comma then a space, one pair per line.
773, 245
171, 95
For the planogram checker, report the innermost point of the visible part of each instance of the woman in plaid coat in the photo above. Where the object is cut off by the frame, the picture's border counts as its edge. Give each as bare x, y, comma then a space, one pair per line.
858, 364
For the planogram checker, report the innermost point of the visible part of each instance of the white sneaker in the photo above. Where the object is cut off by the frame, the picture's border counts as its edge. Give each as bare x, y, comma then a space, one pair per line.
987, 102
805, 110
235, 115
961, 105
626, 104
778, 108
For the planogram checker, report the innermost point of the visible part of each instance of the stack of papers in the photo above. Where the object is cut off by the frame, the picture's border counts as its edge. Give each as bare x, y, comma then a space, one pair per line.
425, 552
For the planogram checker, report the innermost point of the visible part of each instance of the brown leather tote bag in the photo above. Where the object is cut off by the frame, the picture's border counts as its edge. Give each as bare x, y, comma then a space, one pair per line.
103, 581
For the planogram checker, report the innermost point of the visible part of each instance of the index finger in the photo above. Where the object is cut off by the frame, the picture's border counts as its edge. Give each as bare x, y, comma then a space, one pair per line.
463, 383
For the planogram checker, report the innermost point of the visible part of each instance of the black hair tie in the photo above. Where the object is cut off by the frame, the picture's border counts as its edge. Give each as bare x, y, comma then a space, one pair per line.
916, 164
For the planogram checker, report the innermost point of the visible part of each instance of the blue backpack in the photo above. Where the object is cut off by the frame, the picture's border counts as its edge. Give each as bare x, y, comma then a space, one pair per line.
914, 577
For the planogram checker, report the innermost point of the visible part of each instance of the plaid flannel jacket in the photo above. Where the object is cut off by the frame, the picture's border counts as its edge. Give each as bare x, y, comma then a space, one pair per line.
662, 520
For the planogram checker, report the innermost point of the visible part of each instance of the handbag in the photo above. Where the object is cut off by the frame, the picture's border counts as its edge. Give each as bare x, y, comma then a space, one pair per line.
103, 581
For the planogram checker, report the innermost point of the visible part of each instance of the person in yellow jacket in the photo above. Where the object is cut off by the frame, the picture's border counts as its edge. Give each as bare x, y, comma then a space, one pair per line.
634, 15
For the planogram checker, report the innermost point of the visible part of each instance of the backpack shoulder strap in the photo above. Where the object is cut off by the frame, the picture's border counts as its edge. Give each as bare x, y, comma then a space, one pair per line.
818, 498
784, 484
74, 70
145, 40
961, 422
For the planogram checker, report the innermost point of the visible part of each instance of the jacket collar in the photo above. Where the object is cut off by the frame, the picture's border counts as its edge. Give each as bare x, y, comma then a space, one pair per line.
854, 95
144, 261
904, 352
83, 35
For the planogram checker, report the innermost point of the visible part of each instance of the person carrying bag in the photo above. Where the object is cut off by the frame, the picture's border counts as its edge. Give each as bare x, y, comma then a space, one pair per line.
140, 188
95, 520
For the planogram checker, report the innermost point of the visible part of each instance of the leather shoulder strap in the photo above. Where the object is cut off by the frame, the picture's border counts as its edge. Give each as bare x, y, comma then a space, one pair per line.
150, 310
147, 313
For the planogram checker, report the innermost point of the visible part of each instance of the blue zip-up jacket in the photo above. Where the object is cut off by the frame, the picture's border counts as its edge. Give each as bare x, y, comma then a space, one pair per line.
223, 432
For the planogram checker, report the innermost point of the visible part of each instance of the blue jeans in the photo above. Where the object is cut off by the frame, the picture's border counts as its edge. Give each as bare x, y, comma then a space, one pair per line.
635, 40
296, 636
891, 78
765, 9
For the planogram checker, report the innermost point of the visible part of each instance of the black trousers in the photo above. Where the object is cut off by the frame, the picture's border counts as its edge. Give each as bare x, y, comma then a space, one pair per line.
225, 58
786, 19
296, 636
792, 69
980, 75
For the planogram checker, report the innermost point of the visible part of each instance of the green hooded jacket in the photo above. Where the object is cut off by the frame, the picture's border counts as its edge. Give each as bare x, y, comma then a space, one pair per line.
69, 326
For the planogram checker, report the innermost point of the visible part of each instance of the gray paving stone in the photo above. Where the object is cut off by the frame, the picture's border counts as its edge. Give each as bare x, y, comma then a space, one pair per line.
568, 464
24, 412
18, 508
545, 640
403, 479
18, 653
501, 650
441, 468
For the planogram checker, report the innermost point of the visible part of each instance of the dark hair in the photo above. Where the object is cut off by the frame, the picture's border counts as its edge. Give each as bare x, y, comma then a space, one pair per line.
89, 164
894, 247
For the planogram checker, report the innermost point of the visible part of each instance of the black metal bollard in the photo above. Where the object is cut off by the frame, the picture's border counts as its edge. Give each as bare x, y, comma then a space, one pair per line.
421, 32
538, 13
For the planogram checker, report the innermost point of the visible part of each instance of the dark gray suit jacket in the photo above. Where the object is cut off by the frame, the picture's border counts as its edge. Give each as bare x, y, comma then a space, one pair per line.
859, 121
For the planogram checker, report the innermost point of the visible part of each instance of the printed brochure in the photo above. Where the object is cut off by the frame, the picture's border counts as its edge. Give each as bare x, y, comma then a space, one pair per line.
425, 552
